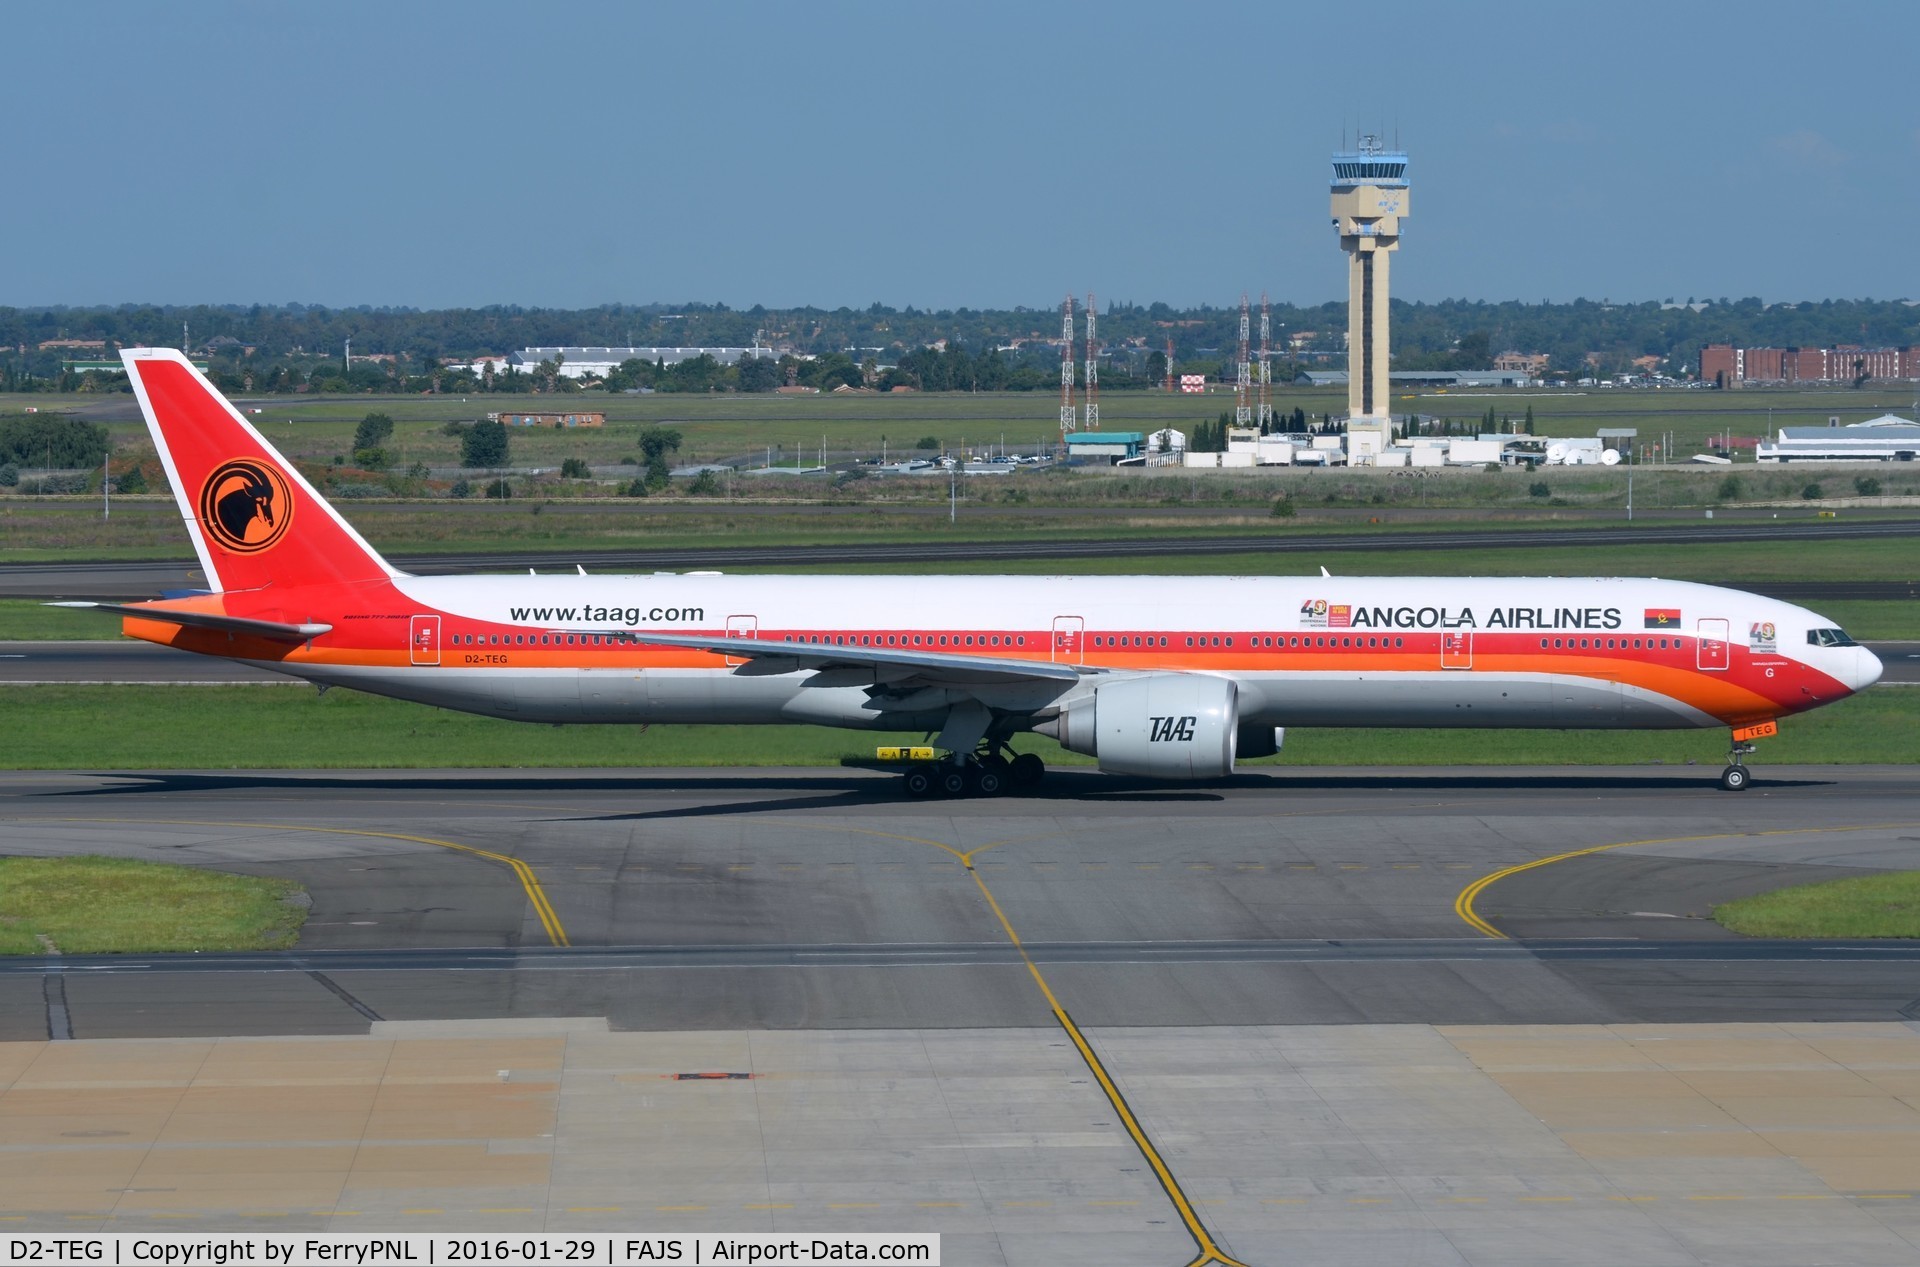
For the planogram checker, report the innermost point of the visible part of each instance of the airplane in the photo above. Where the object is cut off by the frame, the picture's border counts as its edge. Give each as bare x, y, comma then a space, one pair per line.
1164, 677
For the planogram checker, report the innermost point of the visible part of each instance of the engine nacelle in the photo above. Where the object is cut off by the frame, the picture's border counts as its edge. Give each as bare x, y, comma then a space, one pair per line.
1157, 725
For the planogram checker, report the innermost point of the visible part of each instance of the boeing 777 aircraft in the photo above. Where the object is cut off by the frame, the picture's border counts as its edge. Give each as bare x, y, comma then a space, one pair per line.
1162, 677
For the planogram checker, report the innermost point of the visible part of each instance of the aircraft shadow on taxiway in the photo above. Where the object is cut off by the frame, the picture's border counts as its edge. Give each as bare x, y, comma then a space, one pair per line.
831, 788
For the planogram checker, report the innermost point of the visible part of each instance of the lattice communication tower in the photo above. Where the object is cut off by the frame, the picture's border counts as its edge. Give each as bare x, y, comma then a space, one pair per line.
1242, 410
1265, 420
1093, 371
1066, 370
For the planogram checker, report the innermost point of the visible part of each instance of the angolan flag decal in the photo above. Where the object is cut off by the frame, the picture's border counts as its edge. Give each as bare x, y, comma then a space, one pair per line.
1663, 617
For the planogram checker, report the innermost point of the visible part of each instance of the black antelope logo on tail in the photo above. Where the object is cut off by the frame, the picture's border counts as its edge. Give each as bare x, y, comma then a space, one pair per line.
245, 505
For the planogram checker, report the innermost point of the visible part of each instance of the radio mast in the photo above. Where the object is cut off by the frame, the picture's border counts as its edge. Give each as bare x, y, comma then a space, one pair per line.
1093, 371
1066, 371
1242, 411
1265, 420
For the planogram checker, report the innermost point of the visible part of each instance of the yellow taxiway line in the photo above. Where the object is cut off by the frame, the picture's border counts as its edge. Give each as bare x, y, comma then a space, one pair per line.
1463, 904
536, 895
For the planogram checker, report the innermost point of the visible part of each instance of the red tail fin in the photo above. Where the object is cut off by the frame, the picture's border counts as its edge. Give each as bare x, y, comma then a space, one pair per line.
253, 519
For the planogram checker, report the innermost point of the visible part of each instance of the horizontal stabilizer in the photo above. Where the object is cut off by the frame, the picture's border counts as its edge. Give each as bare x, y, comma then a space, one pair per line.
278, 630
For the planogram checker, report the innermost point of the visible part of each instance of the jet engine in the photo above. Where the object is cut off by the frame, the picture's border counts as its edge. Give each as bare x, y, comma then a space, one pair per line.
1157, 725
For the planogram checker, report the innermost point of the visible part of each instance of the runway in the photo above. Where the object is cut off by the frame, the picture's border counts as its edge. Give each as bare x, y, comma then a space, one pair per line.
126, 661
1105, 1026
118, 580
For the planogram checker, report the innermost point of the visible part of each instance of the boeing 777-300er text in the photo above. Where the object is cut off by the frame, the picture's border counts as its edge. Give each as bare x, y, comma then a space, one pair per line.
1162, 677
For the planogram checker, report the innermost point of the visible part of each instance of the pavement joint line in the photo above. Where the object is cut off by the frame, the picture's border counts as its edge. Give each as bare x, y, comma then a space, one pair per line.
1463, 904
549, 920
960, 1205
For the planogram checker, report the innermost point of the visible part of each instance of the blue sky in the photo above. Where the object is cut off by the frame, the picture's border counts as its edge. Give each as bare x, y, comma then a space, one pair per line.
947, 155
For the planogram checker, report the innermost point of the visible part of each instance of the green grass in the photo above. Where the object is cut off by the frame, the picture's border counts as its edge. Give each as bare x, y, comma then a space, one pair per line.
1729, 563
30, 620
1859, 906
734, 426
279, 727
88, 905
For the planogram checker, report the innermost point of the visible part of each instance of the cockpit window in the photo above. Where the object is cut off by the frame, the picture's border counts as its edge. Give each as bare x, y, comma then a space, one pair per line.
1830, 638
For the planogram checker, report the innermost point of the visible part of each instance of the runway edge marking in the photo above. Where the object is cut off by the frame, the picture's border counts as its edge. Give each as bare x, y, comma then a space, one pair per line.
1463, 904
536, 895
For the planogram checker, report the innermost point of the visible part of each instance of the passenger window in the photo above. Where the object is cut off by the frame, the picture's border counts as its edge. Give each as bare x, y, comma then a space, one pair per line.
969, 640
1189, 641
1556, 642
1229, 642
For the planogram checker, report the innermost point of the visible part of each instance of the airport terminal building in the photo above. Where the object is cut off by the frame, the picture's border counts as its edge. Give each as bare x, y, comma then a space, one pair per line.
581, 362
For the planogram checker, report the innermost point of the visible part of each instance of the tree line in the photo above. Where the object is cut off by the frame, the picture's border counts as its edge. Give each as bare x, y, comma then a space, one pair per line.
295, 347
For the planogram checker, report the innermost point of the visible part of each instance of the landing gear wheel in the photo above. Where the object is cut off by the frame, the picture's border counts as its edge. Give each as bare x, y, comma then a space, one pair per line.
1026, 770
952, 781
988, 778
919, 782
1735, 778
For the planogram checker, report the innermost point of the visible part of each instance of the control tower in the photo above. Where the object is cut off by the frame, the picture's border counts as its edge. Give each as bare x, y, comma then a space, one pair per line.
1369, 201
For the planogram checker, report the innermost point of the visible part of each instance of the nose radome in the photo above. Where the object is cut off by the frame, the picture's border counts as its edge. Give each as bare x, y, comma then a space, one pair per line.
1866, 668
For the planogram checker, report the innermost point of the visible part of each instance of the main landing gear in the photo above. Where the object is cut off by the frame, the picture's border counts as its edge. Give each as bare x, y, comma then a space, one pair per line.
1736, 776
984, 773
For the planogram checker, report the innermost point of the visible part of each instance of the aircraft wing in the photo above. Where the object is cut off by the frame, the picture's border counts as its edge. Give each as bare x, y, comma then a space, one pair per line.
274, 629
885, 664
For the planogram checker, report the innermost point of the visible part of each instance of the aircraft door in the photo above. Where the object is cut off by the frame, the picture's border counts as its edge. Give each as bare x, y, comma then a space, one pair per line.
1713, 651
1456, 649
1069, 639
742, 627
423, 639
